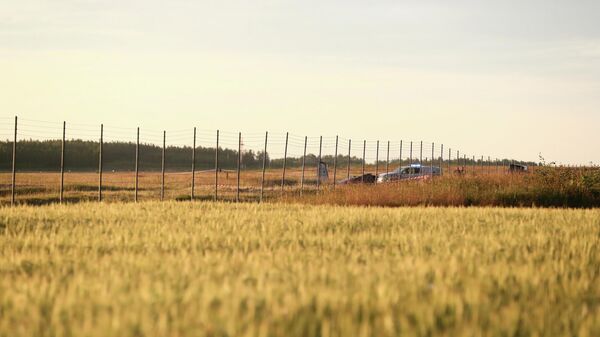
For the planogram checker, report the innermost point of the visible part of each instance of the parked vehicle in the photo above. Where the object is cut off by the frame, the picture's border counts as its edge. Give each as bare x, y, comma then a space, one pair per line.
367, 178
412, 172
518, 168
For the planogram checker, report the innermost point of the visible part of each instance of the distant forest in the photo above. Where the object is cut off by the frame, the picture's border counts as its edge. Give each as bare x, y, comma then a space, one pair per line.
80, 155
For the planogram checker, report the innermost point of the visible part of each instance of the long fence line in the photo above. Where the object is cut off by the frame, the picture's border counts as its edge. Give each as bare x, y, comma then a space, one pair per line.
454, 158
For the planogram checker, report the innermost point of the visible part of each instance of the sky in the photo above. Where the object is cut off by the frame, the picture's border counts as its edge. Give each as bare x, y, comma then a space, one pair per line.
500, 78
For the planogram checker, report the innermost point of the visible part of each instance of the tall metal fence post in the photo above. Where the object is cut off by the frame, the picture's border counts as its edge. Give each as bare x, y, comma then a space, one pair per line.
239, 167
362, 177
449, 159
400, 163
62, 163
284, 161
387, 159
421, 154
349, 158
411, 154
376, 162
193, 190
137, 165
100, 162
431, 162
216, 196
162, 176
457, 159
481, 166
458, 166
14, 167
303, 166
442, 159
335, 161
264, 167
319, 163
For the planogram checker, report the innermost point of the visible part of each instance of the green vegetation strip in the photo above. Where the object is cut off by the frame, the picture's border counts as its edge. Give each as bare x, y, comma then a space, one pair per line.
211, 269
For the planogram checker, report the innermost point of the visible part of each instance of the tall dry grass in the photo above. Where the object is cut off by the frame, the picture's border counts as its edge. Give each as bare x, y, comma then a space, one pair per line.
546, 187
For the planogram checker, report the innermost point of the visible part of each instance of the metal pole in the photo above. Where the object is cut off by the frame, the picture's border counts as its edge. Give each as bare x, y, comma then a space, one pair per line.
449, 159
421, 154
411, 150
284, 161
62, 163
193, 166
431, 162
377, 162
14, 167
441, 159
319, 163
481, 166
137, 160
162, 177
239, 167
362, 177
387, 159
100, 163
216, 197
349, 158
400, 163
303, 166
335, 161
264, 166
457, 159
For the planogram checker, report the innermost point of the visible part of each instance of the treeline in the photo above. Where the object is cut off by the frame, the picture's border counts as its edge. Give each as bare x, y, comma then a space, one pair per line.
81, 155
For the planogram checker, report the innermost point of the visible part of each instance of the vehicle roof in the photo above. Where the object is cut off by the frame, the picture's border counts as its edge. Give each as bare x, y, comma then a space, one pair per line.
418, 166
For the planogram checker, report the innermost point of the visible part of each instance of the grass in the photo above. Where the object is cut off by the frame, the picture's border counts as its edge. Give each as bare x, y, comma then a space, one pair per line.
216, 269
544, 187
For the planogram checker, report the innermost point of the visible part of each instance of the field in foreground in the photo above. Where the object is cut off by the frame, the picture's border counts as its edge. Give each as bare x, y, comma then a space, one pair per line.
214, 269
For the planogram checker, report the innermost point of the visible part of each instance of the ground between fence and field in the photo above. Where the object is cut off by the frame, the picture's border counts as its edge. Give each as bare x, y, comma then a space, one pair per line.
544, 187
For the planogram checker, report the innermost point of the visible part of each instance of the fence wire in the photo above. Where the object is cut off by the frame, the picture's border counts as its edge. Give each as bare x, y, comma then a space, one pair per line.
75, 162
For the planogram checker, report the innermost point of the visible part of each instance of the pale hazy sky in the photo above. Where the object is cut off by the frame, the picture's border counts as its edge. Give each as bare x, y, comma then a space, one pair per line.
499, 78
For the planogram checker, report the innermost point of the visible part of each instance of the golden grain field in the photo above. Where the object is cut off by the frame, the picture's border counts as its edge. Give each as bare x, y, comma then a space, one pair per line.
217, 269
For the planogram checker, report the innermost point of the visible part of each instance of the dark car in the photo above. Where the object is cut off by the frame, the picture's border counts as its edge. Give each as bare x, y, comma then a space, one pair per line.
366, 178
518, 168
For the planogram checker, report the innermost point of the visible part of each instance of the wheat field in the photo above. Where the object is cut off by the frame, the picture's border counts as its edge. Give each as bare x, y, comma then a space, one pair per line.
217, 269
